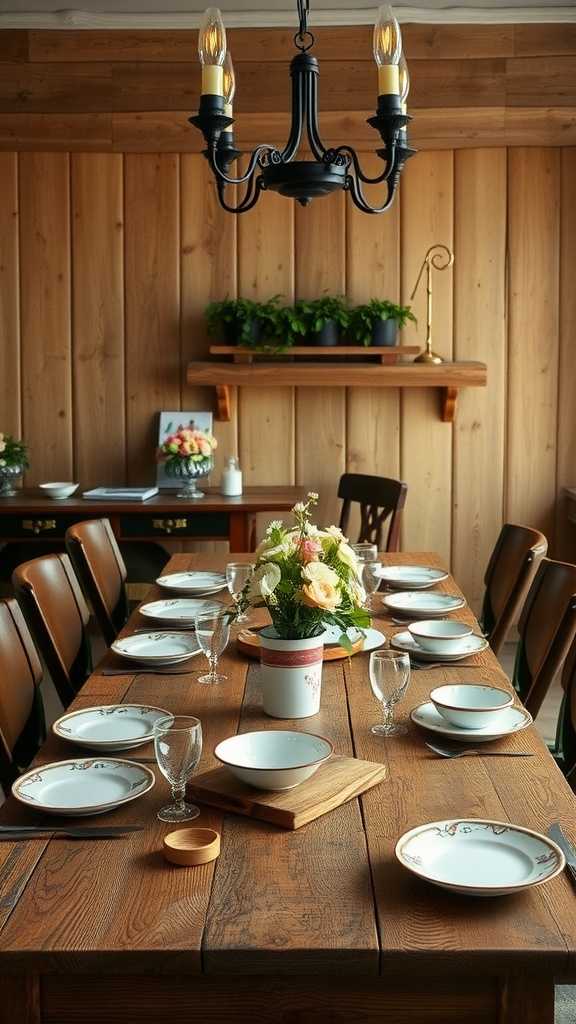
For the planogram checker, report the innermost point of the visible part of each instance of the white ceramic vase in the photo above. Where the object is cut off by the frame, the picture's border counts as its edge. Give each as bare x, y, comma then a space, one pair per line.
291, 675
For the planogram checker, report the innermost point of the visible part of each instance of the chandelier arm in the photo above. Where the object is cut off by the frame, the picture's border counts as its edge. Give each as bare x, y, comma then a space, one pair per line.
390, 161
358, 198
251, 196
221, 175
316, 144
291, 147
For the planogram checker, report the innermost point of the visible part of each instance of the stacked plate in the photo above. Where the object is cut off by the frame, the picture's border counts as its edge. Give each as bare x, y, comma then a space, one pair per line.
422, 604
157, 649
373, 638
110, 727
197, 584
411, 577
467, 647
510, 720
180, 611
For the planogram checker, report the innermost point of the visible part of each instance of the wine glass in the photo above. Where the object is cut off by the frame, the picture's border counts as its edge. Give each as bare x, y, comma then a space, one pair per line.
389, 678
371, 580
178, 747
213, 633
365, 552
237, 576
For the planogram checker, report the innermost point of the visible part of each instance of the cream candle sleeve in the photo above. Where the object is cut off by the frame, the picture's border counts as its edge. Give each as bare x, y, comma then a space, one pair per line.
212, 80
388, 80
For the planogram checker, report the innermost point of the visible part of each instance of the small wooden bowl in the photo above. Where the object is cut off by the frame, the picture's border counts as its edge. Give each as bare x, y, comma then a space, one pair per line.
189, 846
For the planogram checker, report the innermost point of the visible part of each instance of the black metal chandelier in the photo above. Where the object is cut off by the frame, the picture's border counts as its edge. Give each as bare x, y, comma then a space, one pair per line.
273, 169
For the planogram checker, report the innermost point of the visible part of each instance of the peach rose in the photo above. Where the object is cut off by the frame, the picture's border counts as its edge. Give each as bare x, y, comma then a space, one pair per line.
321, 595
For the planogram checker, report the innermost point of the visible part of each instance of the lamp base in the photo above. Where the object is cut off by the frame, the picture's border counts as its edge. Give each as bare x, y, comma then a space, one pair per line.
428, 356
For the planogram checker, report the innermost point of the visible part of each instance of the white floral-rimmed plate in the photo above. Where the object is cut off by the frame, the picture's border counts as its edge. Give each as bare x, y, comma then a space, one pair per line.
467, 647
373, 638
479, 857
510, 721
411, 577
199, 584
110, 726
85, 785
426, 604
157, 648
178, 610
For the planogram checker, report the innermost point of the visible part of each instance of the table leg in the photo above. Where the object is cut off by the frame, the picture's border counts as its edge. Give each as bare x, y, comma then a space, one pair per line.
239, 535
20, 999
525, 999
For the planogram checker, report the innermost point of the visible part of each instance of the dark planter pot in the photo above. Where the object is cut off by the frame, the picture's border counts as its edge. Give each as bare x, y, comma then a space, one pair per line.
255, 332
230, 332
329, 336
385, 333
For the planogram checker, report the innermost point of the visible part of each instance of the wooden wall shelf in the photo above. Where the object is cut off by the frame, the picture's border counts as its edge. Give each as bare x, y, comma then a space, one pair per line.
448, 378
388, 355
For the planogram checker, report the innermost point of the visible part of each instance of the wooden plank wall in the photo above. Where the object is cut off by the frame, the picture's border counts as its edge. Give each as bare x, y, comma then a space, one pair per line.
107, 261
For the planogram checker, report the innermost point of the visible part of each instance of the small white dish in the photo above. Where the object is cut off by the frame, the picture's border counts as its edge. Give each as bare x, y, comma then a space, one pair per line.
58, 490
469, 646
179, 610
470, 705
110, 726
425, 603
273, 759
87, 785
510, 721
157, 648
198, 584
440, 636
478, 857
411, 577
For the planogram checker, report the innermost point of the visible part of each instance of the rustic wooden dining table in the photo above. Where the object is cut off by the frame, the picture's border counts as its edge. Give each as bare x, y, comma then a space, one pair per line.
320, 924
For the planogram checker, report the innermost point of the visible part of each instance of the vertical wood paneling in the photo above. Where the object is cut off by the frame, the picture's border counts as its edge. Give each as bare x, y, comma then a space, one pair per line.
565, 546
372, 271
10, 415
266, 268
45, 314
426, 443
98, 318
208, 273
321, 414
152, 274
534, 203
479, 333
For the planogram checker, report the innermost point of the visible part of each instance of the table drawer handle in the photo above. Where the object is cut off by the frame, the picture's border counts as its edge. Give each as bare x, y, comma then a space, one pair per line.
38, 525
169, 524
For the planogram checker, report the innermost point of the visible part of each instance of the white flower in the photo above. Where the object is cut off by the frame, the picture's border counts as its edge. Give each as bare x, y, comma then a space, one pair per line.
319, 572
335, 532
263, 582
276, 524
348, 556
312, 496
299, 507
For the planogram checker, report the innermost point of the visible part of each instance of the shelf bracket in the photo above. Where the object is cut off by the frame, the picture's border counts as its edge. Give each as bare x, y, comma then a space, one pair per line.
448, 398
223, 407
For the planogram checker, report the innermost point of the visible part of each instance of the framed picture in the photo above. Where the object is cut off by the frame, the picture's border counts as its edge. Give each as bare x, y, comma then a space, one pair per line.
169, 422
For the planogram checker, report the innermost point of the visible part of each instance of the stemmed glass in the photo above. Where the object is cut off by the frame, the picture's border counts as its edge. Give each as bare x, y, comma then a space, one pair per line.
371, 580
178, 748
237, 576
389, 678
365, 551
213, 633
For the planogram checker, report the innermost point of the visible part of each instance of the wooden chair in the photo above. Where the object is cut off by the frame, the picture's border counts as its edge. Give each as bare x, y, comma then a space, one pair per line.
22, 721
512, 567
564, 749
100, 568
547, 630
57, 614
379, 498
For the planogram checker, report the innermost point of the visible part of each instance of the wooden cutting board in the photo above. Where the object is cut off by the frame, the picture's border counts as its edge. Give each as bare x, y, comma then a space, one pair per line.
248, 642
338, 780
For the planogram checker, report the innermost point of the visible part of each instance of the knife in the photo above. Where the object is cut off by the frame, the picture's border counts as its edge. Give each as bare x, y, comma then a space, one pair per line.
88, 829
556, 834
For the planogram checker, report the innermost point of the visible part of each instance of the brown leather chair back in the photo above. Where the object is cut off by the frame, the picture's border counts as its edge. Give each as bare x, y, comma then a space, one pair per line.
512, 567
101, 570
57, 614
380, 499
22, 723
547, 630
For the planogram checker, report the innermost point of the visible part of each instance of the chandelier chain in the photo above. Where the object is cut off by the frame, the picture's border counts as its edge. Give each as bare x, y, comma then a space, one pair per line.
303, 39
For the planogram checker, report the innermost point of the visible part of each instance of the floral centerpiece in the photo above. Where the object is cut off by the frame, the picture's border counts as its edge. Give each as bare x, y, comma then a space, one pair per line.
187, 455
13, 462
307, 578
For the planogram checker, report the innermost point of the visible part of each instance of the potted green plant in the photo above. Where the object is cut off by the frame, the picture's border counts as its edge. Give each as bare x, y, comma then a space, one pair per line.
324, 318
377, 322
13, 462
222, 319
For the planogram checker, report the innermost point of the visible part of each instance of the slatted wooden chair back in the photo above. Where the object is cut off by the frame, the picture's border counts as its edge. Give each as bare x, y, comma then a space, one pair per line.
512, 567
381, 499
22, 721
100, 568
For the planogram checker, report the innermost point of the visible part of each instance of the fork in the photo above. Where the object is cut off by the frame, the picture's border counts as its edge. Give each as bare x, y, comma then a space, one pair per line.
424, 666
452, 752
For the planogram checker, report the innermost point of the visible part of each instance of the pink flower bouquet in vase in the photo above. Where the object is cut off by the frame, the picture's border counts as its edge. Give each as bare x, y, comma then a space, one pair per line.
308, 579
187, 455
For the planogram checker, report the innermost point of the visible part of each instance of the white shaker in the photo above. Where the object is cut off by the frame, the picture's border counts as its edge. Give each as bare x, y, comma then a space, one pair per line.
231, 485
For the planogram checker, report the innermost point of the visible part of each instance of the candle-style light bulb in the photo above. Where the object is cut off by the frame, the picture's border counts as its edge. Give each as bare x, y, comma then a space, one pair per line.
212, 52
229, 84
404, 76
387, 51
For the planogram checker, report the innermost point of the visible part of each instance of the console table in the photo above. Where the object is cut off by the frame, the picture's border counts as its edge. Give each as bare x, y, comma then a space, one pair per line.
30, 516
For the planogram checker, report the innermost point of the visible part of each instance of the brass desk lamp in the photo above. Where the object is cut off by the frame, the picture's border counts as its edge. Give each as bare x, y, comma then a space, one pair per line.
438, 257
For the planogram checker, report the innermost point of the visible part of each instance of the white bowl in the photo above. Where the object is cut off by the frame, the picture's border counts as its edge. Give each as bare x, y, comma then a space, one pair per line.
274, 759
471, 706
439, 636
59, 490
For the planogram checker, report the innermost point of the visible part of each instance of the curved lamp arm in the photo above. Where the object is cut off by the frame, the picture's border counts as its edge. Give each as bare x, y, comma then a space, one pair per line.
251, 196
359, 200
220, 173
